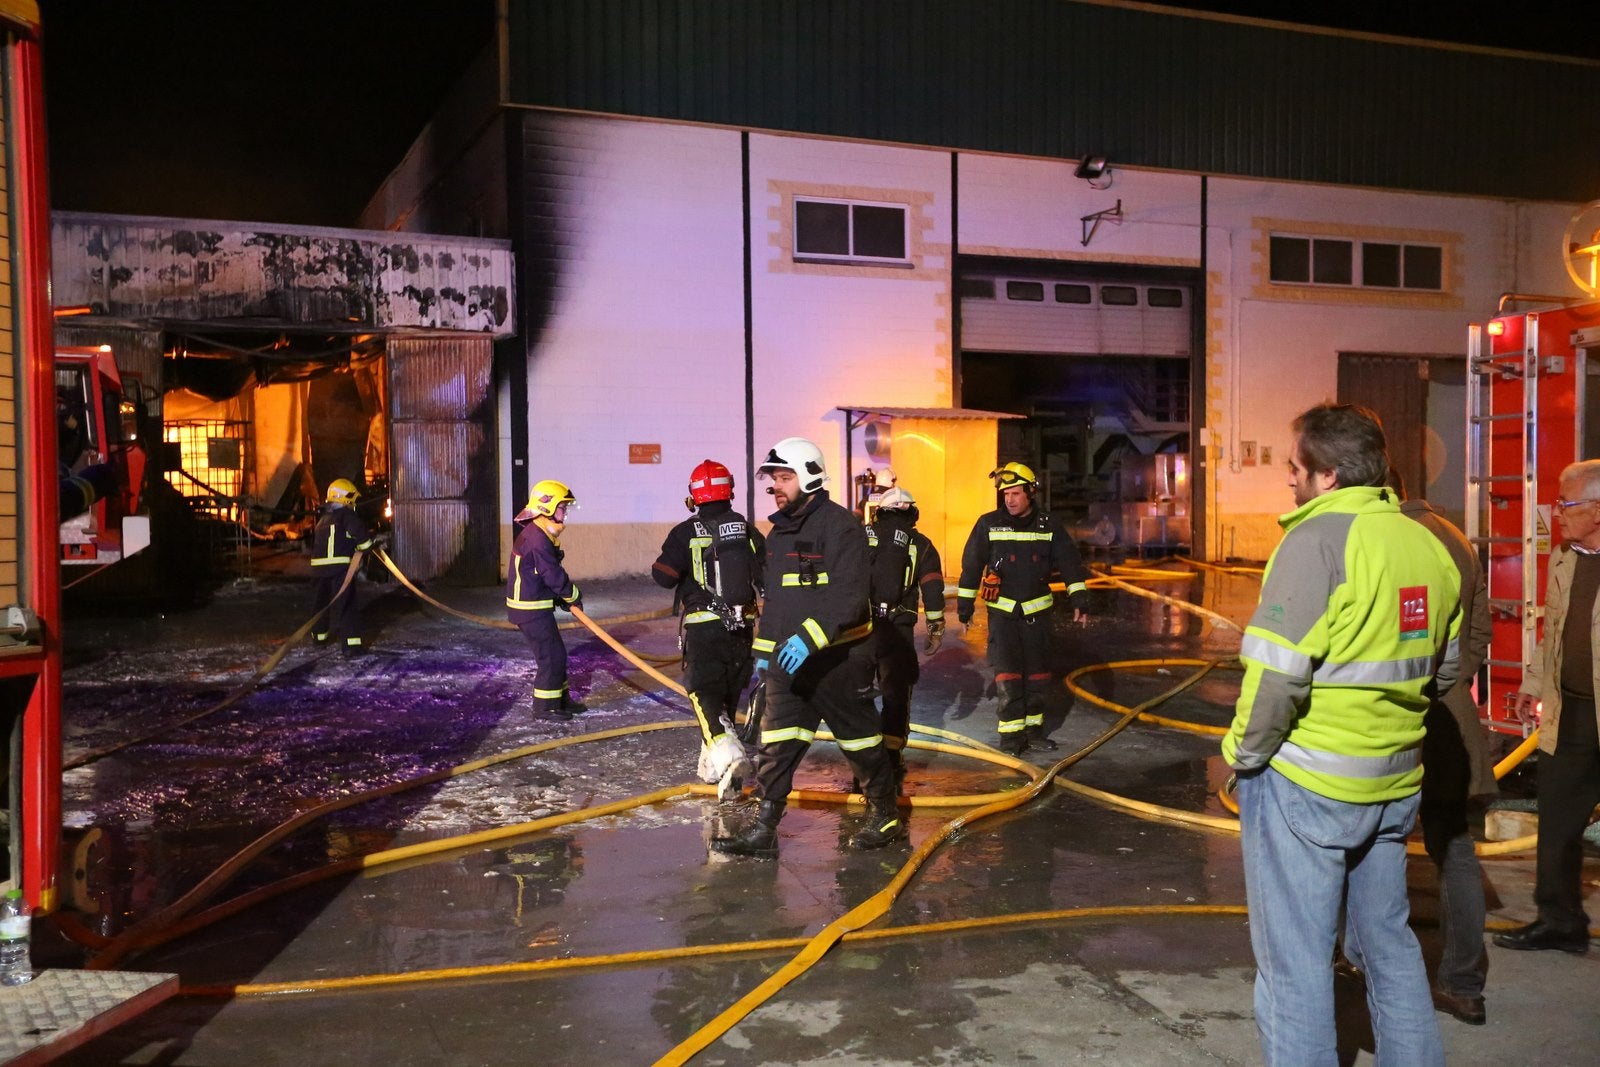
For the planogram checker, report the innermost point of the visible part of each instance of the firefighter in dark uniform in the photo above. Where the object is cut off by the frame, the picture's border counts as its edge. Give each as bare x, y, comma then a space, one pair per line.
340, 533
814, 640
536, 584
905, 569
1008, 562
713, 561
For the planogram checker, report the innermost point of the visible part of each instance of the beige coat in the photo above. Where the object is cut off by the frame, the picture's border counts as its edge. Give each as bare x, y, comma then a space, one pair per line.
1476, 630
1543, 677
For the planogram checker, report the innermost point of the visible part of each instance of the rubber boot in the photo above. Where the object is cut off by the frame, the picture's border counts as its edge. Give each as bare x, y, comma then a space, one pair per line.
883, 826
760, 840
572, 707
1038, 740
1014, 744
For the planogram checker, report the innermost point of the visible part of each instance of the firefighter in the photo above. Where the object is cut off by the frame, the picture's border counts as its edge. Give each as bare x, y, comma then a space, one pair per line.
814, 641
905, 568
713, 561
536, 584
1008, 562
340, 533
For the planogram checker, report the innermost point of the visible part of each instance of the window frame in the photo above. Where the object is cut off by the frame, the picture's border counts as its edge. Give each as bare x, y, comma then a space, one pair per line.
1357, 263
850, 233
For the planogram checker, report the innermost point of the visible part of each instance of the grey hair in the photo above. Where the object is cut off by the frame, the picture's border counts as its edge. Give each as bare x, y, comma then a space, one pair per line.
1586, 475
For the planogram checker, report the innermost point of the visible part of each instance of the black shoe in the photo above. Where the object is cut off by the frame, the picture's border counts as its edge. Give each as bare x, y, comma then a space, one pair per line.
1541, 935
557, 713
1468, 1009
883, 826
573, 707
1038, 740
760, 841
1014, 744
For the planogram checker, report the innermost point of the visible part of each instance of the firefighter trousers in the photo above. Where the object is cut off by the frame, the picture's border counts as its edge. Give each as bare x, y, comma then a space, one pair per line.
550, 658
717, 663
1019, 652
341, 625
895, 652
832, 686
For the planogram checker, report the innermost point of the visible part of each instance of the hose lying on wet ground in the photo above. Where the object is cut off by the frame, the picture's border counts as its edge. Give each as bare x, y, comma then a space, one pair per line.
171, 921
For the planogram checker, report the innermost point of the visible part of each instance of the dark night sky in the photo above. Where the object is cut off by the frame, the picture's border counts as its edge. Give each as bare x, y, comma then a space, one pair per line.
258, 110
294, 110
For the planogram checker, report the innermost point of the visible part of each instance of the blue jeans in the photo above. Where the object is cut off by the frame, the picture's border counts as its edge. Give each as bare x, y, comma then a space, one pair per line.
1304, 855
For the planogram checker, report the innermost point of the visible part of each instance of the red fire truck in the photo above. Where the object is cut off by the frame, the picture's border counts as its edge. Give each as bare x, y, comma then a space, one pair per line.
1530, 412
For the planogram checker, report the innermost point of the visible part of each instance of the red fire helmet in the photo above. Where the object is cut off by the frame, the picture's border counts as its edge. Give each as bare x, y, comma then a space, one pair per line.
710, 481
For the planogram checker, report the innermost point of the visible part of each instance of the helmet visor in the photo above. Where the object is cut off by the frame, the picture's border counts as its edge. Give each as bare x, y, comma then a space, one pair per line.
1005, 477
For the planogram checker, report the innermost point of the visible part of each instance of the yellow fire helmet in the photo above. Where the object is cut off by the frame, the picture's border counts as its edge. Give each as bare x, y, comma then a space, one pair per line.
548, 499
342, 491
1014, 474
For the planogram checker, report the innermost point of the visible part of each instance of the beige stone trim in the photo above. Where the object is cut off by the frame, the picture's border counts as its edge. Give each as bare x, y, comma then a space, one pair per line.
919, 224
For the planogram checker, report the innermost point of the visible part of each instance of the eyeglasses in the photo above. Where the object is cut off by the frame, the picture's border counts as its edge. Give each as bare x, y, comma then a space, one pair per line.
1563, 505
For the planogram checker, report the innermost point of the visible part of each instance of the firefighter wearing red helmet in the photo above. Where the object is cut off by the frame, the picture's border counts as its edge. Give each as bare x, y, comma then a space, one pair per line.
537, 584
1009, 560
713, 562
815, 642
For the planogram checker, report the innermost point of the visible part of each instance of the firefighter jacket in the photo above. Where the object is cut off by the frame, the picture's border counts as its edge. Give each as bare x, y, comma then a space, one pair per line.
715, 562
1543, 676
340, 532
905, 567
1359, 613
1024, 551
816, 577
535, 580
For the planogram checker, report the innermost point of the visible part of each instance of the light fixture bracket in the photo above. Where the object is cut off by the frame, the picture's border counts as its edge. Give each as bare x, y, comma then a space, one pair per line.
1092, 222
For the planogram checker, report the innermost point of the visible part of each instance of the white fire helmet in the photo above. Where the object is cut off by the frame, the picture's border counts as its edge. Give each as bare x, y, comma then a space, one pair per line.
896, 499
884, 478
801, 456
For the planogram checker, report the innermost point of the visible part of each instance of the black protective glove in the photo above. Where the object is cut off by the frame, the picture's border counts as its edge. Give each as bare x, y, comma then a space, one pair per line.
935, 636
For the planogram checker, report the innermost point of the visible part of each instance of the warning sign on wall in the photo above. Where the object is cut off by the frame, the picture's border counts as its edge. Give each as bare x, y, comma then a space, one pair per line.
1541, 529
644, 453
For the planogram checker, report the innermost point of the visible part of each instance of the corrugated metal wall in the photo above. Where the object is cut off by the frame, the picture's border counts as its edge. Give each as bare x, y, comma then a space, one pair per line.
443, 466
1064, 79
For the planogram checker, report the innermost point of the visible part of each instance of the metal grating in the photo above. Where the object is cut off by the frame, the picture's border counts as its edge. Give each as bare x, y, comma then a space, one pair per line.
59, 1010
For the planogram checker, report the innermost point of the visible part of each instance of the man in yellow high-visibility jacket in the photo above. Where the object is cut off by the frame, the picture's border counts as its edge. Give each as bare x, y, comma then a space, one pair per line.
1359, 613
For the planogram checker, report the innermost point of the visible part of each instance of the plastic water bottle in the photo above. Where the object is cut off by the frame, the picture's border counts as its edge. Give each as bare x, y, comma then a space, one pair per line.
16, 965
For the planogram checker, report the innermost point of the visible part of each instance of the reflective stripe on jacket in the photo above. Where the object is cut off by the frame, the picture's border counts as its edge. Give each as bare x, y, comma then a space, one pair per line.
905, 566
535, 579
1028, 550
340, 533
717, 553
816, 577
1358, 612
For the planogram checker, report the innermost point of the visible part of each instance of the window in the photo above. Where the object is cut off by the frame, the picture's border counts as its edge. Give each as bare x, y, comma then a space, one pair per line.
1024, 290
835, 229
1163, 298
1119, 296
1362, 264
1074, 294
975, 288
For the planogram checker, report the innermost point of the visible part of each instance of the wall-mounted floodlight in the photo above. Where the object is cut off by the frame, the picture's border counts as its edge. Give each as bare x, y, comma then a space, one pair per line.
1094, 170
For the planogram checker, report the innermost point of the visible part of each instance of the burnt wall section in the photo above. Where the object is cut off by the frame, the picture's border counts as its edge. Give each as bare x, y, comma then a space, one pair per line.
441, 425
132, 267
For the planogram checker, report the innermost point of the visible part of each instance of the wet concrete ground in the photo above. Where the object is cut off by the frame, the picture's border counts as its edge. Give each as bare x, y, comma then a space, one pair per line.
1134, 988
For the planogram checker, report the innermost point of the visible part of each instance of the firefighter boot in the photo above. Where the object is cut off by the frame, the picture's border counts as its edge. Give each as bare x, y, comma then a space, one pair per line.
1037, 739
883, 825
1013, 713
760, 840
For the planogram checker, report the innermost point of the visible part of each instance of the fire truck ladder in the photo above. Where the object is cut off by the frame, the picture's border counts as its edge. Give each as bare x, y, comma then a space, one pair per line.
1500, 478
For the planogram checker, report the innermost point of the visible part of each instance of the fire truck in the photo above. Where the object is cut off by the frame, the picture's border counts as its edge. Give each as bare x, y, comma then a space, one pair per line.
1530, 412
59, 1008
102, 457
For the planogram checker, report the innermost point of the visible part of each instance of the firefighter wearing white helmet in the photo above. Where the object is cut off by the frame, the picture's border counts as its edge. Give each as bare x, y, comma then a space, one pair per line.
1009, 561
813, 641
905, 572
712, 561
537, 584
339, 535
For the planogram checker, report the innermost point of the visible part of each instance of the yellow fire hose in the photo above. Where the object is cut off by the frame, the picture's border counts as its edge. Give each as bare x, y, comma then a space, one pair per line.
876, 905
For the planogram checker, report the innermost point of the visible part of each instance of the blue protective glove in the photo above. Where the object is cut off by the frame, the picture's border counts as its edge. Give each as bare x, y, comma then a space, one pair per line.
793, 653
761, 663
